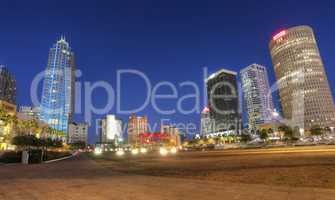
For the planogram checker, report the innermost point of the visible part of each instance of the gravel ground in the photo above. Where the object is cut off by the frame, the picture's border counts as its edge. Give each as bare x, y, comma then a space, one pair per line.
302, 167
210, 176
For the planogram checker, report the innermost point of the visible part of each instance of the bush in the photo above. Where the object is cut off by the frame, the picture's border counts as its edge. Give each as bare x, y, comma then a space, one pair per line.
35, 156
11, 157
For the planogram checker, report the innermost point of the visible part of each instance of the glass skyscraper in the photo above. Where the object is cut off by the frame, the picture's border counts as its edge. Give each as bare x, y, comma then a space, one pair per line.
223, 102
257, 95
58, 89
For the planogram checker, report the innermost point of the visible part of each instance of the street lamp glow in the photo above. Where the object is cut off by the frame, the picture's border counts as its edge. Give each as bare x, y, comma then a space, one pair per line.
163, 151
143, 150
275, 114
97, 151
120, 153
173, 150
134, 151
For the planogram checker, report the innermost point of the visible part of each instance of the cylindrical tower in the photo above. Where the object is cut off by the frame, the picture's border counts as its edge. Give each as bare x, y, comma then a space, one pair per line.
301, 78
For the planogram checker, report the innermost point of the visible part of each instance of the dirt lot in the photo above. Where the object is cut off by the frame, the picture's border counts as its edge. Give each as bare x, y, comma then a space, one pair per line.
297, 167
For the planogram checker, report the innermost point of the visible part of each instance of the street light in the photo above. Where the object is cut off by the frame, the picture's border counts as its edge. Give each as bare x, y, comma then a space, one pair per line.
173, 150
134, 151
302, 132
98, 151
275, 114
143, 150
163, 151
120, 153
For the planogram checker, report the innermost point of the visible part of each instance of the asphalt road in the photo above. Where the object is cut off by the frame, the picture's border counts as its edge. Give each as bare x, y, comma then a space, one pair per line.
81, 178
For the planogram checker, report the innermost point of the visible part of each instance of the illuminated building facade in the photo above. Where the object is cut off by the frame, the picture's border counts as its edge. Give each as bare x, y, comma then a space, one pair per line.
6, 128
223, 102
154, 139
173, 133
33, 112
168, 136
111, 129
136, 126
58, 89
78, 132
257, 96
303, 86
207, 123
7, 86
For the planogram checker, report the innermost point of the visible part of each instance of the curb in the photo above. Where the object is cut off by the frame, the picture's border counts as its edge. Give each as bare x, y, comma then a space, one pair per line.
59, 159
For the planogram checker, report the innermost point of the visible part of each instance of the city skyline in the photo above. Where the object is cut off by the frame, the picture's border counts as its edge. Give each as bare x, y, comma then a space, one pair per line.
141, 51
177, 99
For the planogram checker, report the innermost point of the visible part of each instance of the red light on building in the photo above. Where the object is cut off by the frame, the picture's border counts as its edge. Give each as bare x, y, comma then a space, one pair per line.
279, 35
151, 138
205, 110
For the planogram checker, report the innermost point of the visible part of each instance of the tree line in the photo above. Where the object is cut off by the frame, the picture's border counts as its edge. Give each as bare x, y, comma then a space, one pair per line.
26, 133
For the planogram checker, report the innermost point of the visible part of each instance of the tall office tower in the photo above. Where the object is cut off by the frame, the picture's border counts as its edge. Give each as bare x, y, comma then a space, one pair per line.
111, 130
223, 102
257, 96
59, 86
301, 78
78, 132
7, 86
136, 126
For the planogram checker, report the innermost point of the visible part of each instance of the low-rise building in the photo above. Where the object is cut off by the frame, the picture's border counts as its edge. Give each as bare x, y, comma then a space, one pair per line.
33, 112
78, 132
173, 133
136, 126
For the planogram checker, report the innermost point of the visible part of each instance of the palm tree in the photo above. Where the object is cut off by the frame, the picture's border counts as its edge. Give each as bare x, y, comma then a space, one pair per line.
264, 135
60, 134
8, 121
217, 140
245, 138
25, 141
5, 118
